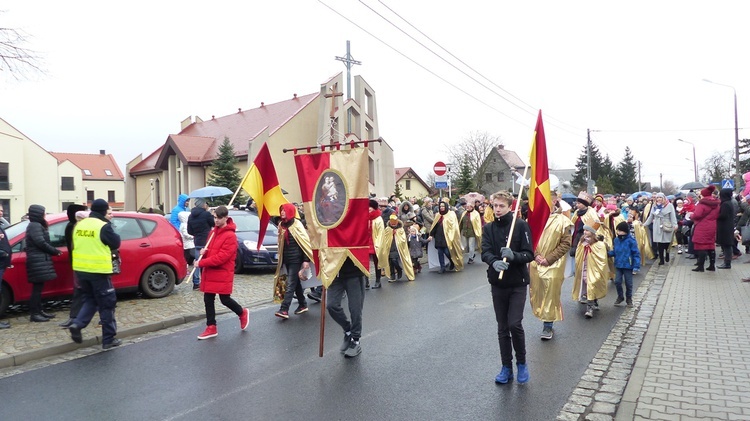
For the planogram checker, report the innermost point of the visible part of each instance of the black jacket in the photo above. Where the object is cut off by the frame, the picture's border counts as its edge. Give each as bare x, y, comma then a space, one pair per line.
5, 250
495, 237
725, 221
199, 225
39, 251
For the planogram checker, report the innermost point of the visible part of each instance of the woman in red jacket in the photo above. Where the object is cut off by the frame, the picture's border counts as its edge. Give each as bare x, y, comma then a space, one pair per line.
217, 272
704, 231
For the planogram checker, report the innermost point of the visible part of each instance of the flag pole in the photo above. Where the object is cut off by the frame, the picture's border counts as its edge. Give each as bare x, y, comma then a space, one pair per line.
323, 294
239, 187
192, 271
515, 216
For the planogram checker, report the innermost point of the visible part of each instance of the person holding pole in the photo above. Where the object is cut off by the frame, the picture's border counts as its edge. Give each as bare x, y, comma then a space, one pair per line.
507, 249
199, 224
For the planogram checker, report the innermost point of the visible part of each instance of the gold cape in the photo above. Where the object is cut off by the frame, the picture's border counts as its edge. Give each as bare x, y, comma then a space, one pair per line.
546, 281
596, 271
452, 237
476, 223
402, 247
377, 234
590, 218
489, 215
609, 238
644, 244
298, 231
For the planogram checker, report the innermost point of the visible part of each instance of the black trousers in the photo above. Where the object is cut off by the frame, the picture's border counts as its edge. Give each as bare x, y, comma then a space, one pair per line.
509, 304
209, 299
35, 301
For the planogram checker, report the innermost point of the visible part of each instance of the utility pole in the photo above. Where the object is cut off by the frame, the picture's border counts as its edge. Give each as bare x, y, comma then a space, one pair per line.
639, 176
589, 184
660, 183
348, 62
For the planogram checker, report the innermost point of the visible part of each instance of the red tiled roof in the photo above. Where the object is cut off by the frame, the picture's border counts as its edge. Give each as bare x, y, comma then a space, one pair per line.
401, 172
96, 164
244, 126
148, 164
510, 157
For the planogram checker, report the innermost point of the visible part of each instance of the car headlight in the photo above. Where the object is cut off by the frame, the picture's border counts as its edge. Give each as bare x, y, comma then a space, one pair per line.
253, 245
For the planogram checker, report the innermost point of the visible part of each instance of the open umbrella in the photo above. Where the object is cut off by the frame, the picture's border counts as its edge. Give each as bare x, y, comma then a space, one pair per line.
693, 185
636, 195
473, 197
210, 192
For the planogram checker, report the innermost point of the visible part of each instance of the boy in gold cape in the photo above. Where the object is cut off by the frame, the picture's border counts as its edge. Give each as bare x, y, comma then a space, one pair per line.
547, 269
591, 271
394, 248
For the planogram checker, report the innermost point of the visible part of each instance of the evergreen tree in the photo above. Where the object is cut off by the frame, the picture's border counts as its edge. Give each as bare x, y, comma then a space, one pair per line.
599, 167
465, 182
224, 173
397, 192
744, 152
626, 176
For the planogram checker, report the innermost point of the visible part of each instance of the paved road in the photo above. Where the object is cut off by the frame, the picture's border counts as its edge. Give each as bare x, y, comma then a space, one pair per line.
430, 352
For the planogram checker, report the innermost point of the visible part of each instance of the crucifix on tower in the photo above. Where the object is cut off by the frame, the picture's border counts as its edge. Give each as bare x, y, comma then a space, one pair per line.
349, 62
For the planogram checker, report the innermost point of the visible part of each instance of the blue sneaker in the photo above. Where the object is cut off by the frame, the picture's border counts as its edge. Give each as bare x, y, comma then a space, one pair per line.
505, 375
523, 373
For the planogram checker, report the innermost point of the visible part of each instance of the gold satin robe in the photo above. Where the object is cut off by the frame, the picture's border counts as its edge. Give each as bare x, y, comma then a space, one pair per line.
590, 218
644, 243
452, 237
377, 235
476, 224
489, 214
546, 281
298, 231
596, 271
401, 245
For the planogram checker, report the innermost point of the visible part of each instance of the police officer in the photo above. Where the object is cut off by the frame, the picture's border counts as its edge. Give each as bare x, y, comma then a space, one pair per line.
93, 243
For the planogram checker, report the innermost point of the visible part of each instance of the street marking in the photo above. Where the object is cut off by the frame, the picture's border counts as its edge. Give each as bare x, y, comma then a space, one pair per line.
462, 295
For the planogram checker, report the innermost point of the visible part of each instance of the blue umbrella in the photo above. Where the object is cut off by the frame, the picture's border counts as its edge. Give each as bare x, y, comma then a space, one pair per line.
636, 195
210, 192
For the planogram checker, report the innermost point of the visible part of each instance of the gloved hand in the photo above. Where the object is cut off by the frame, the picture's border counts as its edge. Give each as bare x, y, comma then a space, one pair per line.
499, 265
507, 253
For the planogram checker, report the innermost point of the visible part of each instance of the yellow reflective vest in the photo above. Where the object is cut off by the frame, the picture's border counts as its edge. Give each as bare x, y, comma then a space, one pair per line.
89, 253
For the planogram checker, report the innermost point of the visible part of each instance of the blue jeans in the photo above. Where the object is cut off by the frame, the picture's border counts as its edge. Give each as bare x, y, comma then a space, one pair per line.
442, 252
197, 272
628, 275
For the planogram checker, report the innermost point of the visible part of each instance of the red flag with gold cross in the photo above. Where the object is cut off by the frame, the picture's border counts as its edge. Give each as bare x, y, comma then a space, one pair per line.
539, 189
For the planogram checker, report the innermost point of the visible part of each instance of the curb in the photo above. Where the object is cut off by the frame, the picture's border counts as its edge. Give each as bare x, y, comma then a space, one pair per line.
57, 349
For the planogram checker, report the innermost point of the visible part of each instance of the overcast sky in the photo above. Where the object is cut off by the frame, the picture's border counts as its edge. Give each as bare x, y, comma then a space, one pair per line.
122, 77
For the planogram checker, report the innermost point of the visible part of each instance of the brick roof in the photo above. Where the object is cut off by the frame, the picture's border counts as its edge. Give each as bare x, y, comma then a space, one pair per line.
510, 157
147, 165
96, 164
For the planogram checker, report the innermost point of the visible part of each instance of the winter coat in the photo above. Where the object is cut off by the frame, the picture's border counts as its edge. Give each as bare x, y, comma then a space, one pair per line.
725, 220
745, 217
187, 239
704, 218
626, 253
5, 250
217, 264
199, 225
174, 217
39, 251
494, 237
427, 215
416, 243
659, 217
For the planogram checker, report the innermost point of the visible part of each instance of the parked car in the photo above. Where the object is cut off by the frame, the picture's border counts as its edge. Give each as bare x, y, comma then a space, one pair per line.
248, 255
151, 253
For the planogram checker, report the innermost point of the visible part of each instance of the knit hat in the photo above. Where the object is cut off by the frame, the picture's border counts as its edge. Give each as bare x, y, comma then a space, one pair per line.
589, 228
623, 226
199, 202
708, 191
373, 203
611, 207
585, 198
393, 216
100, 206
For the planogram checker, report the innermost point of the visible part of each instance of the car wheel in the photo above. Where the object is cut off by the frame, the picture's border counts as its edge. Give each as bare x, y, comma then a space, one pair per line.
158, 281
238, 263
5, 298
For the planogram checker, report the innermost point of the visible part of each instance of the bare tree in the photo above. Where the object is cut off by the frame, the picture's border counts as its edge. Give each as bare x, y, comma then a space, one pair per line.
718, 166
669, 187
474, 149
15, 58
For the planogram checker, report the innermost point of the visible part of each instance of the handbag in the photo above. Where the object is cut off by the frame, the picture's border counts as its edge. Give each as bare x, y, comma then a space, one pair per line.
668, 228
745, 232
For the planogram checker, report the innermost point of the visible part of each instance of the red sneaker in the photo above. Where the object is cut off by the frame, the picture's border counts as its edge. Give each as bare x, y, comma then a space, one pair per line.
210, 332
244, 319
282, 314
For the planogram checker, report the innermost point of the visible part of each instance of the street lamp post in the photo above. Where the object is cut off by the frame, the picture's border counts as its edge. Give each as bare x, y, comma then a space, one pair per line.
695, 163
736, 135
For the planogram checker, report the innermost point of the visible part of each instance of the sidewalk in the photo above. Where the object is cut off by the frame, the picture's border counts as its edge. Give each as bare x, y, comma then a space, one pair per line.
26, 341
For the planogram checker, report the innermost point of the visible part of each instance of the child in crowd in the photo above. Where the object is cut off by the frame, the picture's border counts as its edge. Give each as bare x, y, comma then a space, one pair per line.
627, 262
416, 243
591, 271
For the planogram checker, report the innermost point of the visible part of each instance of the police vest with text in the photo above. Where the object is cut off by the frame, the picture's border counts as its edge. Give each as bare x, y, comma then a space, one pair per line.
89, 253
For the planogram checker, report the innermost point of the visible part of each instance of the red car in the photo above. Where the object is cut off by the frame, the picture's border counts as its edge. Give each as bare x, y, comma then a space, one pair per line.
151, 253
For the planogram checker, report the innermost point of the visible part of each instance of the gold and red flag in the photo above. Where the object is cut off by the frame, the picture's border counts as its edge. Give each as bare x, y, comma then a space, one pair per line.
335, 196
262, 184
539, 187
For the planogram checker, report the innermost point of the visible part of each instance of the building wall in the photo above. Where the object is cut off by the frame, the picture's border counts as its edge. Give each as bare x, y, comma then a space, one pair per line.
32, 174
101, 189
78, 194
417, 189
502, 178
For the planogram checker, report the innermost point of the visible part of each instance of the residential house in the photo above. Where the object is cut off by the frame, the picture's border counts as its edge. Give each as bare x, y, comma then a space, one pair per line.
28, 175
411, 184
183, 163
87, 177
500, 165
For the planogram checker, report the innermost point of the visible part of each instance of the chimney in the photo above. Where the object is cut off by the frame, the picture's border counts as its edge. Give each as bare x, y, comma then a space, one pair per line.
239, 110
262, 104
295, 96
102, 152
501, 147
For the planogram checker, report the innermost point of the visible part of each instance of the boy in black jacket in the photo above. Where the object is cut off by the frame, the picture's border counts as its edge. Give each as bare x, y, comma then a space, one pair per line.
508, 293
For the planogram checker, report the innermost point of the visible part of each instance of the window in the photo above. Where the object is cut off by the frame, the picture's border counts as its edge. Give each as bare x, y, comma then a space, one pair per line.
488, 177
108, 172
87, 172
57, 234
67, 184
5, 204
127, 228
500, 176
90, 196
65, 206
408, 184
111, 196
4, 176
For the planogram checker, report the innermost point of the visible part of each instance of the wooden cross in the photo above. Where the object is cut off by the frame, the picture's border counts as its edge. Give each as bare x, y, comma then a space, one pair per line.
333, 96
